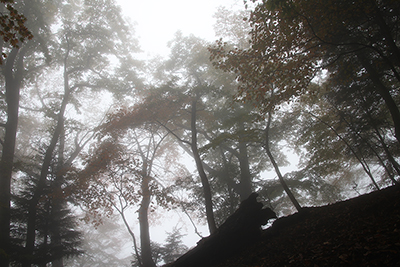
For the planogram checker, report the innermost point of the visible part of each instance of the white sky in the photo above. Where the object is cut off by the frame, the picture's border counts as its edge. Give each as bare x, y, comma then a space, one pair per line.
158, 20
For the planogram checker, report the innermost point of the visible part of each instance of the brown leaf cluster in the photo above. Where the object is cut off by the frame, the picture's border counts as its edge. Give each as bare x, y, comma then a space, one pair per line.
12, 27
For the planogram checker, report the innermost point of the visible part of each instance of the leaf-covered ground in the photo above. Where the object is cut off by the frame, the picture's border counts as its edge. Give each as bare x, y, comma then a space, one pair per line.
364, 231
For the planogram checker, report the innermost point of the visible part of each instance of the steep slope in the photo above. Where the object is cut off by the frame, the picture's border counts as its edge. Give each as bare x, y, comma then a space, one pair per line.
364, 231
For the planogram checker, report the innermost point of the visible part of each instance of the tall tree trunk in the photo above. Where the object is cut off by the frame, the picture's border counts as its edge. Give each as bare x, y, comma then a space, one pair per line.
203, 177
147, 259
276, 167
230, 183
13, 85
57, 200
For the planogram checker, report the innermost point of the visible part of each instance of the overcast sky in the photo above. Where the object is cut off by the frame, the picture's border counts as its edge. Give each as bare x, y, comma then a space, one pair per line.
158, 20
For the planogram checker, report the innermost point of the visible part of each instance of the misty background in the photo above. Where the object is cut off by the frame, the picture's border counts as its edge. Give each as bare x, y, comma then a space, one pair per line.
132, 129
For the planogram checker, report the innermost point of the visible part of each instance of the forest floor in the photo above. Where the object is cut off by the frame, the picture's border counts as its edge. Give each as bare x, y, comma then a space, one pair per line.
363, 231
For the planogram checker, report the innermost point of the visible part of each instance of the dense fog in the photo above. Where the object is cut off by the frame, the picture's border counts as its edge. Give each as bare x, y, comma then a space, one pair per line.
129, 131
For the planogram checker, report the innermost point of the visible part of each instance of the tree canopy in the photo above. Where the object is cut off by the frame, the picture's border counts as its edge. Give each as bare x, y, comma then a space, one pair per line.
292, 41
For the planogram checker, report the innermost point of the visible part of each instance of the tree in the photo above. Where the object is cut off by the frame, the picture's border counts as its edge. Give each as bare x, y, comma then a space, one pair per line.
227, 136
276, 167
14, 70
97, 44
56, 235
168, 252
344, 131
192, 79
173, 247
293, 41
130, 174
98, 38
109, 182
208, 96
269, 104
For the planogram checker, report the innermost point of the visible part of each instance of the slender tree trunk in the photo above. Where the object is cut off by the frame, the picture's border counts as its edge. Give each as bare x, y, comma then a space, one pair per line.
56, 206
389, 155
276, 167
135, 247
245, 175
368, 143
31, 222
359, 158
203, 177
13, 84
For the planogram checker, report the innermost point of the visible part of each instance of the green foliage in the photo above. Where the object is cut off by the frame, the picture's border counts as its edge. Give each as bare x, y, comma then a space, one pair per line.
57, 236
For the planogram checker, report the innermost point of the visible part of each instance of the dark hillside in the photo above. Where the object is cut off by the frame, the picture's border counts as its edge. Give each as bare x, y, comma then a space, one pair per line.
364, 231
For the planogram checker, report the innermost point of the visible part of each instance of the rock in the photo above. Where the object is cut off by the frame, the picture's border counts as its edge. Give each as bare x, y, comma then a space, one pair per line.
240, 229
